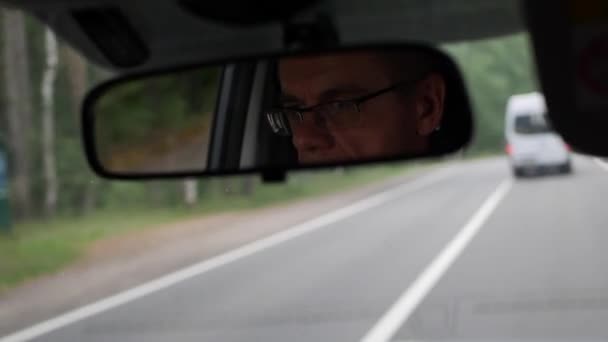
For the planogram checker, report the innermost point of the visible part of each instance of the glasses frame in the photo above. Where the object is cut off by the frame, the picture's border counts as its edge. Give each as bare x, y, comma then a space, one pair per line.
280, 125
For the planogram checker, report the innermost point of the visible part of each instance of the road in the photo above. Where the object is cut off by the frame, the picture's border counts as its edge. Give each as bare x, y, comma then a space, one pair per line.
533, 267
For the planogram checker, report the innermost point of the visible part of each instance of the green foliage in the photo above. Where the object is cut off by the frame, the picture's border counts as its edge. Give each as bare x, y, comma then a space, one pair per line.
494, 70
135, 111
140, 121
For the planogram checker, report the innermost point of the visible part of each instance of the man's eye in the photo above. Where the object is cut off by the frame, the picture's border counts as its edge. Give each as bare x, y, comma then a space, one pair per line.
339, 105
333, 108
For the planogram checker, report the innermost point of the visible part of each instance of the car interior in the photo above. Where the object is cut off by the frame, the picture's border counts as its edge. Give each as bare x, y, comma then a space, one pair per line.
332, 170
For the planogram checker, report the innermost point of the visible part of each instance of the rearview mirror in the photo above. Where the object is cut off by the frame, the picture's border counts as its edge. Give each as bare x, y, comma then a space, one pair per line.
279, 113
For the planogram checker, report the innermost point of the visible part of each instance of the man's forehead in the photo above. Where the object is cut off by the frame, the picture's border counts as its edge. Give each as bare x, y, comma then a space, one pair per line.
313, 75
319, 65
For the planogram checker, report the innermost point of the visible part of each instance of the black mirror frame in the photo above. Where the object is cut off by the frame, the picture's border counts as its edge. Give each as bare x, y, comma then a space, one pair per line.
457, 98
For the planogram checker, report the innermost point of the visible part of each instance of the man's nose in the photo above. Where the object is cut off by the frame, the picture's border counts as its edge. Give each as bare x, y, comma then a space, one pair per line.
312, 135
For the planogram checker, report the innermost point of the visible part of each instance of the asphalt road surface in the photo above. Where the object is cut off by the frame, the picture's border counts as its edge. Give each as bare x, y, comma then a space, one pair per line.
463, 253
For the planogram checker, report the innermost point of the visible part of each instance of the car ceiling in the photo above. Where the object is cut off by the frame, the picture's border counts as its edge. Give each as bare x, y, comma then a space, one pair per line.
174, 35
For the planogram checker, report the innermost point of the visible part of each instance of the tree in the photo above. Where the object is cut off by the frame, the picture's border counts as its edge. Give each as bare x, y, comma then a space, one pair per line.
77, 77
18, 109
247, 185
47, 90
190, 192
77, 70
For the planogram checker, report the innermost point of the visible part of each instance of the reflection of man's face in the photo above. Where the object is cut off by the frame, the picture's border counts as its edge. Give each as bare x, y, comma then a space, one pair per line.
396, 122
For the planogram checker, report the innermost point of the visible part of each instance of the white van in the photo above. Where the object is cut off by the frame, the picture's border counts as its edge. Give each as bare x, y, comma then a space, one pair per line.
532, 146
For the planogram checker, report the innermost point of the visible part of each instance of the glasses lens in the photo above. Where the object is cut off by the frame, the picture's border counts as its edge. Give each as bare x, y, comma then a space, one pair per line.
293, 116
278, 122
341, 114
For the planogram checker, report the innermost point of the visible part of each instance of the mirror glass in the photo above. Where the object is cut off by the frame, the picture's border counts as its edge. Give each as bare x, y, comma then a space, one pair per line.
281, 112
158, 124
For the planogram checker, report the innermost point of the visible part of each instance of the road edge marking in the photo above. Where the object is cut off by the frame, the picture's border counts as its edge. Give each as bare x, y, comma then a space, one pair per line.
602, 164
207, 265
409, 300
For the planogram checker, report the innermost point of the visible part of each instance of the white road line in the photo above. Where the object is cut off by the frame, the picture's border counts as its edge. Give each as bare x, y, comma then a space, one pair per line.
601, 163
399, 313
221, 260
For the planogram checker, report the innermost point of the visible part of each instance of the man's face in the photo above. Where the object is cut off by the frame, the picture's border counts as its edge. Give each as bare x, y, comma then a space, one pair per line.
396, 122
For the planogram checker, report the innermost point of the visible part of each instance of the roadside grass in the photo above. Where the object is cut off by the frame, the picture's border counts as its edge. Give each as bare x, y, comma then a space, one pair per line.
473, 155
42, 247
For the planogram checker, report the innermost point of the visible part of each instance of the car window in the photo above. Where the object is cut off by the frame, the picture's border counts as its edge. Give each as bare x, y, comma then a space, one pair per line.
531, 124
479, 245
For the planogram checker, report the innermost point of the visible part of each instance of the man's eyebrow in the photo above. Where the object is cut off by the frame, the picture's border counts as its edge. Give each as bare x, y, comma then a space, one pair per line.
342, 92
337, 92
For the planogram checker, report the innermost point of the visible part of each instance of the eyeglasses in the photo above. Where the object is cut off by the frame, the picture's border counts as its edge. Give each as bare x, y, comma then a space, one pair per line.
338, 114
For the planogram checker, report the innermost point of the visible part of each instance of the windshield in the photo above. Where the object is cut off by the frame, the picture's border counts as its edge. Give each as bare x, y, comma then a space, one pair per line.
475, 246
531, 124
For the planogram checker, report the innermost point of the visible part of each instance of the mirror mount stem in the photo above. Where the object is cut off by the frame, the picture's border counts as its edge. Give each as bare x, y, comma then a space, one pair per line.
274, 176
320, 33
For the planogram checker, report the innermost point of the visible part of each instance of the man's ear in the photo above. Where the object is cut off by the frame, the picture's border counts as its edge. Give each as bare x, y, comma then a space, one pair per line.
430, 103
